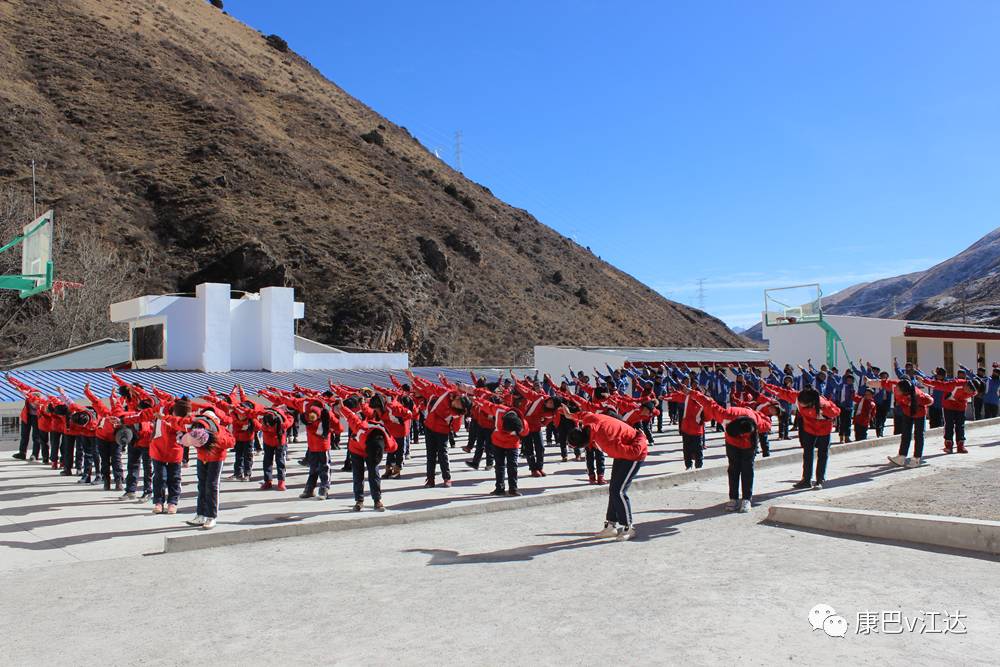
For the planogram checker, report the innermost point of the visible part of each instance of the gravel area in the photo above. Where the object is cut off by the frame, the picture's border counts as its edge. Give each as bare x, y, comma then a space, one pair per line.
970, 491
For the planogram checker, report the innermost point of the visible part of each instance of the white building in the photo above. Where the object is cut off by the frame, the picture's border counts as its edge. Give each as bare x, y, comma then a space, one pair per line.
213, 332
556, 360
927, 344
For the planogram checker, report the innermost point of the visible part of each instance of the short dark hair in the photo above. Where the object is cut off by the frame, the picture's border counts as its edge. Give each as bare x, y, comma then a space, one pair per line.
578, 436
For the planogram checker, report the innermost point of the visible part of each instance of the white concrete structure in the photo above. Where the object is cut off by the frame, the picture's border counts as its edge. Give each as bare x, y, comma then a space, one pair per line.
927, 344
556, 360
215, 333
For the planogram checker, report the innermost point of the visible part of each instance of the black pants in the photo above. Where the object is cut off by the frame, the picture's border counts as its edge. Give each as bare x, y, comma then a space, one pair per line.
595, 461
319, 471
135, 456
977, 408
396, 458
562, 435
991, 410
243, 459
821, 445
911, 427
550, 433
483, 445
166, 482
860, 432
740, 471
881, 413
358, 466
619, 505
91, 455
954, 425
68, 458
783, 424
274, 457
209, 481
534, 450
506, 462
844, 422
55, 441
935, 416
30, 431
765, 446
896, 416
111, 461
659, 416
694, 446
437, 454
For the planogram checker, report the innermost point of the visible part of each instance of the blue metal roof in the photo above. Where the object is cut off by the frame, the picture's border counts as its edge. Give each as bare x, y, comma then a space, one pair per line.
196, 383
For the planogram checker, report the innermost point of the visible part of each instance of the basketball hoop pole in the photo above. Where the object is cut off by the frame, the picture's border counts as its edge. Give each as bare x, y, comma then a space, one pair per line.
805, 307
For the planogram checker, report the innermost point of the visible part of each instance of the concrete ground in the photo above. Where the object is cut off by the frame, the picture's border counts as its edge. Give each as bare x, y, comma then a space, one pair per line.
48, 519
530, 586
969, 489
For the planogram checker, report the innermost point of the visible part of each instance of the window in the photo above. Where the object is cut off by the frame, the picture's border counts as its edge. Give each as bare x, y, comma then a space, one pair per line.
949, 358
981, 355
147, 342
911, 352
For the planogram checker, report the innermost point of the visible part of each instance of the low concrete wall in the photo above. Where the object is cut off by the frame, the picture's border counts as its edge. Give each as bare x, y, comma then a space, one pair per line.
941, 531
207, 540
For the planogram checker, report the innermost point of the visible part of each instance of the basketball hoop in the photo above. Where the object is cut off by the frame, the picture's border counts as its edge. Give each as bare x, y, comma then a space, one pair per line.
59, 288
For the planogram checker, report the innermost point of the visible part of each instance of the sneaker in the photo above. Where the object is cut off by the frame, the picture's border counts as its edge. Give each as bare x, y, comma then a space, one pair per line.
689, 467
55, 465
818, 485
600, 479
541, 473
593, 479
513, 493
379, 507
897, 460
472, 465
467, 450
744, 507
731, 505
322, 495
19, 456
158, 508
264, 486
766, 454
209, 524
498, 492
32, 458
960, 449
535, 473
303, 461
306, 494
145, 496
429, 483
171, 509
610, 530
565, 459
234, 478
625, 534
446, 484
84, 480
127, 496
357, 506
489, 466
66, 473
118, 486
196, 521
913, 463
281, 486
802, 484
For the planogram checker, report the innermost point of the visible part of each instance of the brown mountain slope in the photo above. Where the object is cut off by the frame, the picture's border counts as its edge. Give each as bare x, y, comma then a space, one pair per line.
171, 126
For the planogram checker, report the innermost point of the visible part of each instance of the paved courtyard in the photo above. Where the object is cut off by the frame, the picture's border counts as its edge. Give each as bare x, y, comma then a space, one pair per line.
530, 586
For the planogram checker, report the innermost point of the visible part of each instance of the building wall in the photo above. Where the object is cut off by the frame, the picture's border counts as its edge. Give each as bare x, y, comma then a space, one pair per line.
354, 360
868, 338
930, 352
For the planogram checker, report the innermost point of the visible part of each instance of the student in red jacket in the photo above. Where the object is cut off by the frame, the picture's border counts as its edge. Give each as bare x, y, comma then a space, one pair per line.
743, 427
819, 417
955, 399
912, 417
446, 408
108, 422
137, 434
318, 428
506, 433
692, 428
208, 434
628, 447
169, 419
864, 414
245, 427
367, 446
33, 401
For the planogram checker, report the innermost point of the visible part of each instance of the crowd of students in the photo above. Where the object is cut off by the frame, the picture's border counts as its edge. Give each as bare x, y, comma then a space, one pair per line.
140, 435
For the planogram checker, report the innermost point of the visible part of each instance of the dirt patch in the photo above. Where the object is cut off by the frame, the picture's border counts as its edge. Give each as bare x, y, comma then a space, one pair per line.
968, 492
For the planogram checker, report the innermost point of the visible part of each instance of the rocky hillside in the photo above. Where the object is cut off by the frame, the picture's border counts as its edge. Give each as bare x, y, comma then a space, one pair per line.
962, 286
173, 129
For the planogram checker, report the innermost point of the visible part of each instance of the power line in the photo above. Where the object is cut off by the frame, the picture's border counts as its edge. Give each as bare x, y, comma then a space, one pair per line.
701, 294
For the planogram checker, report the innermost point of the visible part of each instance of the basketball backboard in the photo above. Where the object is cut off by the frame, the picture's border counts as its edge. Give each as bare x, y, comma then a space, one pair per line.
36, 258
798, 304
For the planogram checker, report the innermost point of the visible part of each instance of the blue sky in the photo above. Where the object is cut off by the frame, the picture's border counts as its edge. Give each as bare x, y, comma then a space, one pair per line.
751, 144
